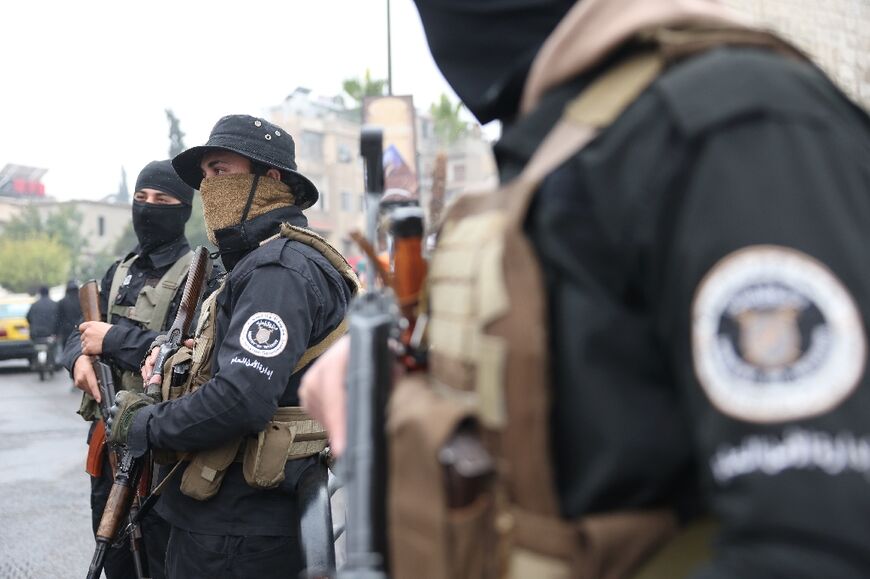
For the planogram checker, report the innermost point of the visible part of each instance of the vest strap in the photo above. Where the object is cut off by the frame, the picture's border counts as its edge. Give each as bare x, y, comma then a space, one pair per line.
120, 274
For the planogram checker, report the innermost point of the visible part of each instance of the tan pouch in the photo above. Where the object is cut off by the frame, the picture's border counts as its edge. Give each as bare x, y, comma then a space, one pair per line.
266, 455
184, 354
203, 476
428, 540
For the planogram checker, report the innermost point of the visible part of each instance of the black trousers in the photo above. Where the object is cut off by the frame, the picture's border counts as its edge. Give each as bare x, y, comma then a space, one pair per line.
155, 534
197, 556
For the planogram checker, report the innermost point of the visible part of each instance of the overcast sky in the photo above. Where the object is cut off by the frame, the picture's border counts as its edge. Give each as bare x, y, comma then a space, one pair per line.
85, 84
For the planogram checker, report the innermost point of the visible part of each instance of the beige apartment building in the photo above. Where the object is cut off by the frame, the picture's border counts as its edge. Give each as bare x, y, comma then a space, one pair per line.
327, 135
102, 223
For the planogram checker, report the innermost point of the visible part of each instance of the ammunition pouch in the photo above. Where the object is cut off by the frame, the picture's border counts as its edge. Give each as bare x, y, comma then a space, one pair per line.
290, 435
126, 380
446, 542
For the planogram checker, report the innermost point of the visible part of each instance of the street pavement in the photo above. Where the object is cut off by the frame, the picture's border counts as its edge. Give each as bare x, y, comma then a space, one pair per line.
45, 530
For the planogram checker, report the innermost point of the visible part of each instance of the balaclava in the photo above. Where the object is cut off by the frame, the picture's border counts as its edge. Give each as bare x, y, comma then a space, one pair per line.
484, 48
157, 225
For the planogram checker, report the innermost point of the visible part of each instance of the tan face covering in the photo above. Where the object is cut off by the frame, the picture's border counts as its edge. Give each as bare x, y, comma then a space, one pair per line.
224, 198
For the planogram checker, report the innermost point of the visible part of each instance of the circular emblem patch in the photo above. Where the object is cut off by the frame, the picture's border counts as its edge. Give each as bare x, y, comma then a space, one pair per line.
264, 334
775, 336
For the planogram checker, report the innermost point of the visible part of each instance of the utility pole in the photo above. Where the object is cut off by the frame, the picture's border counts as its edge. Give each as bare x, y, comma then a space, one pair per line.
389, 54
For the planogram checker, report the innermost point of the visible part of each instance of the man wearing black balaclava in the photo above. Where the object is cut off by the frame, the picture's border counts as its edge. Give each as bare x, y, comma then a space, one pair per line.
234, 507
661, 315
139, 297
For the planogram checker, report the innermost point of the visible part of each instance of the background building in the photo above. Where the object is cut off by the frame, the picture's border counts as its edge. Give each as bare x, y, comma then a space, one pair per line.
327, 134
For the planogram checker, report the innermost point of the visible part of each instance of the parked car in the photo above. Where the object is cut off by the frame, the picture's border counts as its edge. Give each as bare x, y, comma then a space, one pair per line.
14, 330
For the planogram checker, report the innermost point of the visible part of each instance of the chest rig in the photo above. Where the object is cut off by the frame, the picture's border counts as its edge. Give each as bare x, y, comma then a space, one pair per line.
488, 357
291, 434
149, 312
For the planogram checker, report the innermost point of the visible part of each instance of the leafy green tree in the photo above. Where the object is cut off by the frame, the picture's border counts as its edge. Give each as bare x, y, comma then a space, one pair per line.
27, 224
126, 242
448, 125
360, 88
26, 264
60, 225
96, 266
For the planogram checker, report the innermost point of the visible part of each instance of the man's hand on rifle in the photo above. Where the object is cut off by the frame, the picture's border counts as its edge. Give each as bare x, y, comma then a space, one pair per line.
148, 364
122, 412
93, 334
85, 379
323, 393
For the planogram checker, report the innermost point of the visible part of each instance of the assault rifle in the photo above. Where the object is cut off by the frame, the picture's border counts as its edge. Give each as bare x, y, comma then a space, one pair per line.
89, 300
372, 319
129, 469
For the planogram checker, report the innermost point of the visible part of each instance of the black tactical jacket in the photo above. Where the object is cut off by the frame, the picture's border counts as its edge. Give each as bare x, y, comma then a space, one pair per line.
733, 150
69, 313
296, 287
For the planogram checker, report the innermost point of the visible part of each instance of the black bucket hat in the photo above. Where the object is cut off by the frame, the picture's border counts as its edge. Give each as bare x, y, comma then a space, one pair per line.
256, 139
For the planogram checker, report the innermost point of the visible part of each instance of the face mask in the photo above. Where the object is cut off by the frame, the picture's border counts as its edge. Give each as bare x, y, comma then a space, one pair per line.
157, 225
229, 201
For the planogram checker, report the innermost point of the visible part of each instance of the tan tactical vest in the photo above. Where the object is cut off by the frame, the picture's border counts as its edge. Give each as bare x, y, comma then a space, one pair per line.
291, 434
152, 305
489, 361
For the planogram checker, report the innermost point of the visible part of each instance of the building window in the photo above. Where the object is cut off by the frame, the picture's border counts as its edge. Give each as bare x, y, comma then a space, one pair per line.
311, 147
344, 155
101, 226
459, 172
322, 201
346, 201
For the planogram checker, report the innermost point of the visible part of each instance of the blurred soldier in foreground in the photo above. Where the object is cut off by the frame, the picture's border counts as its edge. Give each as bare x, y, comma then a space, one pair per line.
662, 315
234, 510
139, 296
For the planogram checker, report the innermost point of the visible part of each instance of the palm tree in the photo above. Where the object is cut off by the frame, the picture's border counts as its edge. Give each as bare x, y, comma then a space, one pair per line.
448, 127
358, 89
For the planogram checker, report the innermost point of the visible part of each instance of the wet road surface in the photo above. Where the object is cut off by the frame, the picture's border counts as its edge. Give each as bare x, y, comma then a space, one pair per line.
45, 530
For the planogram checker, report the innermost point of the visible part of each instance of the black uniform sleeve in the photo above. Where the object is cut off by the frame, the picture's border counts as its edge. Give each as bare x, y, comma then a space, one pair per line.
274, 312
73, 346
762, 296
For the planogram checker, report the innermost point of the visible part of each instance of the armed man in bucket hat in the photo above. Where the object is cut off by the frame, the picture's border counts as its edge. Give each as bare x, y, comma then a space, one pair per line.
233, 509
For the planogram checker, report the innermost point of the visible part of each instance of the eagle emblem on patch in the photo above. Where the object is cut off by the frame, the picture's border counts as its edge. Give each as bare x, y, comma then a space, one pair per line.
264, 334
775, 336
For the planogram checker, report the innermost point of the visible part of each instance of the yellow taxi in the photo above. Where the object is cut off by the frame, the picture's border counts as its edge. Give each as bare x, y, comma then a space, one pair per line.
14, 330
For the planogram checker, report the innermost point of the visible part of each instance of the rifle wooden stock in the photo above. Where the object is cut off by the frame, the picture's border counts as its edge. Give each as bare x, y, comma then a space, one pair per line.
89, 300
117, 509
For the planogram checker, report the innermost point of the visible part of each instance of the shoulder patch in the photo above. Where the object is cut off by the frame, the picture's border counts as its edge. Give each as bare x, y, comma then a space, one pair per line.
264, 334
775, 336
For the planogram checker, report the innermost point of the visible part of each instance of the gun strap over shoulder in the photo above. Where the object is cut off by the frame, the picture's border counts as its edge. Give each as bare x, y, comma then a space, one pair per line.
121, 273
